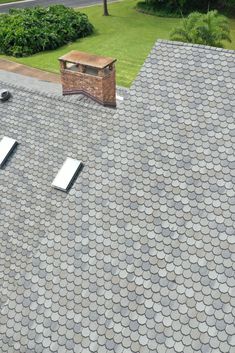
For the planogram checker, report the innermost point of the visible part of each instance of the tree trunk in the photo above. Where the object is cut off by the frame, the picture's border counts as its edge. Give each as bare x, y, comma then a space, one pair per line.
106, 13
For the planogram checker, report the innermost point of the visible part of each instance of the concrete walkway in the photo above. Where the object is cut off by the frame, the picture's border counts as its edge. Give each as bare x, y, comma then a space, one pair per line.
24, 70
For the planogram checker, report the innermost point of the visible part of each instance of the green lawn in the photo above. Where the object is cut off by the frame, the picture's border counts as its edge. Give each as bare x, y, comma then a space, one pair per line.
126, 35
7, 1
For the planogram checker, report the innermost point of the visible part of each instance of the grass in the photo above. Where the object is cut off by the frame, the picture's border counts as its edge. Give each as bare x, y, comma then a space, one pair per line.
7, 1
127, 35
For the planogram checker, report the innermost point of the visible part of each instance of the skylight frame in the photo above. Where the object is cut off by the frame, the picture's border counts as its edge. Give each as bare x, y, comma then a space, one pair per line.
67, 174
7, 145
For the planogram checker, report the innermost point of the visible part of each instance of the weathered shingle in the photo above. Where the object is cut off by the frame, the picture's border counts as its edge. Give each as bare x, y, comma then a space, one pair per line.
139, 256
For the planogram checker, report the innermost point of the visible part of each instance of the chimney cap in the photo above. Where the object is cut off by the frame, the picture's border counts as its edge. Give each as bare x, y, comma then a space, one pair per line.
78, 57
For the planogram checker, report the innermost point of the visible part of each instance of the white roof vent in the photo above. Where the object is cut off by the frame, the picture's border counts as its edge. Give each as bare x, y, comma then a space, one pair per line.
67, 174
7, 145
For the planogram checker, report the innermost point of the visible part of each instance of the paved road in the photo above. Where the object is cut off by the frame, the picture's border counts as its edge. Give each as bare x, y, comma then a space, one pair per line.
72, 3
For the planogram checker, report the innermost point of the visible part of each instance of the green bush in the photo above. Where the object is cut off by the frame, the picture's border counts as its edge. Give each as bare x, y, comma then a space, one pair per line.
151, 9
28, 31
179, 7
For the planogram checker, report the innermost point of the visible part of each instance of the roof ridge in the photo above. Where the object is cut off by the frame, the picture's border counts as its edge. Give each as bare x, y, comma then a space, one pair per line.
200, 46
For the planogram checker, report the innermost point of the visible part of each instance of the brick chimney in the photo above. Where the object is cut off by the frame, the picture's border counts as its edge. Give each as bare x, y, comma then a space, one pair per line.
89, 74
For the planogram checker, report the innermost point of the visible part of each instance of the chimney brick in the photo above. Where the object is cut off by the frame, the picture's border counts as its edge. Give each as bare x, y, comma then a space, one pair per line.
91, 75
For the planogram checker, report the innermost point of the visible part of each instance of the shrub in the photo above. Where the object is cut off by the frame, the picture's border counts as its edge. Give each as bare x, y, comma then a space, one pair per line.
150, 8
208, 29
179, 7
28, 31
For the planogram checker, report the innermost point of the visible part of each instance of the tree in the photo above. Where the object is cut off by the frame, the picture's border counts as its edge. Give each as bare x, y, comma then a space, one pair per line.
106, 13
208, 29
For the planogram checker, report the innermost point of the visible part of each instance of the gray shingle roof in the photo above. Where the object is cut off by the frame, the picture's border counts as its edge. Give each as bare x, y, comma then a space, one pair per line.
139, 256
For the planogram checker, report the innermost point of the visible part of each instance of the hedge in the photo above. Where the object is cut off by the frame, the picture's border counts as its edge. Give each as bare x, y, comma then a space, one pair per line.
29, 31
178, 8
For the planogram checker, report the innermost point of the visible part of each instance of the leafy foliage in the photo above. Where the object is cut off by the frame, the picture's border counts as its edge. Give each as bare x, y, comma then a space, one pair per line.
186, 6
208, 29
28, 31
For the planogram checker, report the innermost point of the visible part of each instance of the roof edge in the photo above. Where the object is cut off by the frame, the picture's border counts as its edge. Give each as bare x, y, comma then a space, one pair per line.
200, 46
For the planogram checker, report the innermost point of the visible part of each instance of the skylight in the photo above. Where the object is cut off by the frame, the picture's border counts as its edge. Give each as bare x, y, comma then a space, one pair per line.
7, 145
67, 174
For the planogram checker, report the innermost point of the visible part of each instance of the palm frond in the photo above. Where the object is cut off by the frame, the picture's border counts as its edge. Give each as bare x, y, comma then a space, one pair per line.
208, 29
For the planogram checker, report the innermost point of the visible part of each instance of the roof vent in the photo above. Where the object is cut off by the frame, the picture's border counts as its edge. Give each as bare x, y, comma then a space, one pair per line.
7, 145
4, 95
67, 174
